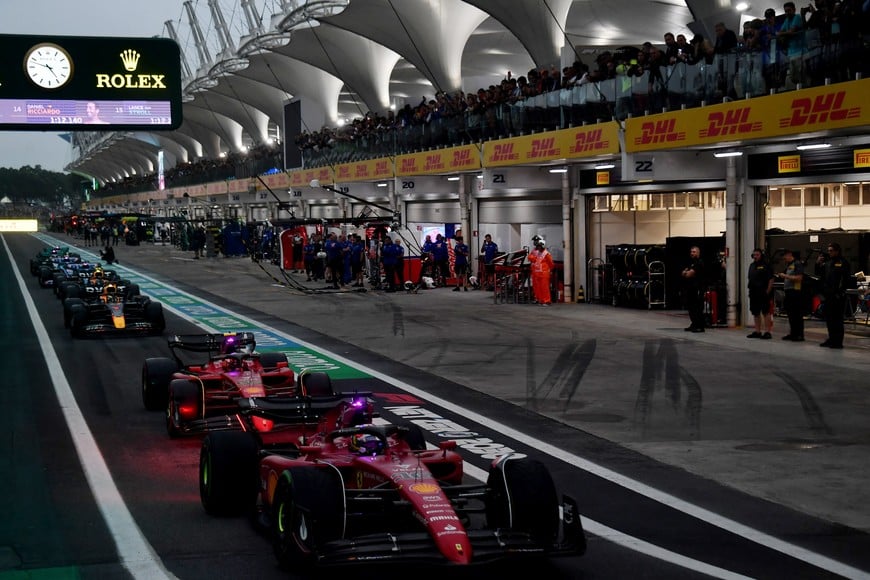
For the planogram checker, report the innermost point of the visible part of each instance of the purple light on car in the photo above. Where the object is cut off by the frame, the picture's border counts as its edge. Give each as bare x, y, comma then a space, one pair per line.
358, 403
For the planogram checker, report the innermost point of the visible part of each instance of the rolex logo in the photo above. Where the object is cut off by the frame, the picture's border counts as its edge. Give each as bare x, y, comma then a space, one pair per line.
130, 58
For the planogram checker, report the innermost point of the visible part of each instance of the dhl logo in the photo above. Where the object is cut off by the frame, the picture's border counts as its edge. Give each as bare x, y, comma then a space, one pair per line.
382, 167
659, 132
361, 171
433, 162
823, 108
504, 152
409, 164
734, 122
861, 158
789, 163
589, 141
542, 148
461, 158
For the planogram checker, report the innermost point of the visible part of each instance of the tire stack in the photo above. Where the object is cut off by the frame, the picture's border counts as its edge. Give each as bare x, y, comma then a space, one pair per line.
632, 285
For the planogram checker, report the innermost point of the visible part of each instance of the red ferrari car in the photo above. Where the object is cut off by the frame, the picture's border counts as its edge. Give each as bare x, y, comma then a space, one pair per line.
198, 396
375, 494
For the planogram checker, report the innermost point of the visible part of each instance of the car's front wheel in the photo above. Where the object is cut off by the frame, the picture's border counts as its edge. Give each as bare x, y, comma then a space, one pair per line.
522, 497
228, 473
308, 510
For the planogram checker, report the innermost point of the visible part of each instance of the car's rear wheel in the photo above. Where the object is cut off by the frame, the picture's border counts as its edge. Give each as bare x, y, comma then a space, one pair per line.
68, 307
308, 510
228, 473
316, 384
70, 290
45, 274
156, 374
270, 360
414, 437
522, 497
154, 315
185, 404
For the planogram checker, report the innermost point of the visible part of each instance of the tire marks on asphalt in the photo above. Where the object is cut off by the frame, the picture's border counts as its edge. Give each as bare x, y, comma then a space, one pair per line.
812, 411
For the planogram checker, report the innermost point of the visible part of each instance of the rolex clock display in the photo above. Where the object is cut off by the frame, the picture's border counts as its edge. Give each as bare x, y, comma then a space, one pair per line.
48, 65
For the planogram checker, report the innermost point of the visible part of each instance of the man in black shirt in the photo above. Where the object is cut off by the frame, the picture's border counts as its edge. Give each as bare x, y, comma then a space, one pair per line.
692, 278
837, 273
760, 283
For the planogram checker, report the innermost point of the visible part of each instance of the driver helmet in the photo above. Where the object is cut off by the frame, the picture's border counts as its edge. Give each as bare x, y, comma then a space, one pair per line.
365, 444
229, 344
98, 273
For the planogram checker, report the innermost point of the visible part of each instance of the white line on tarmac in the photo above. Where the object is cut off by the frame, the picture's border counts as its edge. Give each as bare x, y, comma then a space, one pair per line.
136, 554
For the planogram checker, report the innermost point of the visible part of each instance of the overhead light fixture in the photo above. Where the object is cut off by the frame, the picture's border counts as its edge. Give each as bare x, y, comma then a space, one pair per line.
480, 176
742, 6
453, 178
605, 166
559, 170
382, 184
811, 146
721, 154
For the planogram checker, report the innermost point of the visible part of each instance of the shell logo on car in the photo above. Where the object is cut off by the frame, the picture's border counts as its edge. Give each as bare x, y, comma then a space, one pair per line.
422, 488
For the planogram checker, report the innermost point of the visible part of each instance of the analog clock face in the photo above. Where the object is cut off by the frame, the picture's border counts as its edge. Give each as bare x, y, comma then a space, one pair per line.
48, 66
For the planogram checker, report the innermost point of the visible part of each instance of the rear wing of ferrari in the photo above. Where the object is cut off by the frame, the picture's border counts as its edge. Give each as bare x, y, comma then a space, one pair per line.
213, 344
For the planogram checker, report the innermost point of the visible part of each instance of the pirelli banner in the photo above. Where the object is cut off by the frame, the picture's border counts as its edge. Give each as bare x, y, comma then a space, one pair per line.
573, 143
453, 159
836, 106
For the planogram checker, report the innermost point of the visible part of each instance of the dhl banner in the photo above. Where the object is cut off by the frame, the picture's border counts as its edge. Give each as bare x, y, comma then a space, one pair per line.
364, 170
216, 187
463, 158
275, 180
573, 143
240, 185
303, 177
806, 111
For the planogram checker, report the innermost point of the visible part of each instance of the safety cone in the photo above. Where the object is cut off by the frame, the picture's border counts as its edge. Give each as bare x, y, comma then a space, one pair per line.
581, 297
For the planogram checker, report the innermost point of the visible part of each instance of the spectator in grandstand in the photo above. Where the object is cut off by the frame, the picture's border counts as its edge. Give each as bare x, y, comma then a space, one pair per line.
671, 49
684, 49
790, 39
726, 39
771, 62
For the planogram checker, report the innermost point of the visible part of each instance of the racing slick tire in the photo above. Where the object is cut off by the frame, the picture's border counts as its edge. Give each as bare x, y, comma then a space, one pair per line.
184, 404
78, 318
315, 384
414, 437
45, 274
228, 463
131, 289
68, 305
522, 497
270, 360
154, 315
69, 290
156, 375
308, 510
